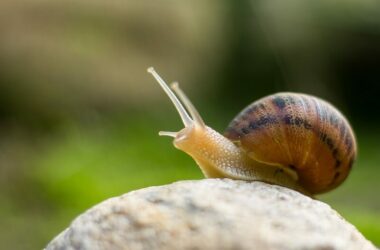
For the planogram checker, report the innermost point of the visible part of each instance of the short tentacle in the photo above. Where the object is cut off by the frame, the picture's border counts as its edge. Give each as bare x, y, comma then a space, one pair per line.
167, 133
188, 104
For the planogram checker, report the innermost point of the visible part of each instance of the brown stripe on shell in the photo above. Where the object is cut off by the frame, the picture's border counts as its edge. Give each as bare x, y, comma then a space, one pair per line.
301, 131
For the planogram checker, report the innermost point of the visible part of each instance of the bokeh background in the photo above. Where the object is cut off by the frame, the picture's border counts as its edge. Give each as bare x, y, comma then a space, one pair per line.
79, 115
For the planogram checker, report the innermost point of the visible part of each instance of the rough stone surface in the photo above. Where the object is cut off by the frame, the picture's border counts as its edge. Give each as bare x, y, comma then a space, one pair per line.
211, 214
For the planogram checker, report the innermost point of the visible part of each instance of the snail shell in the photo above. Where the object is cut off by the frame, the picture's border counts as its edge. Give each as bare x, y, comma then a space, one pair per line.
300, 133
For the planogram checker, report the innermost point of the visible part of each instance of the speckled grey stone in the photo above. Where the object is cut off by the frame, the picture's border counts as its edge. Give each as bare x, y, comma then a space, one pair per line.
211, 214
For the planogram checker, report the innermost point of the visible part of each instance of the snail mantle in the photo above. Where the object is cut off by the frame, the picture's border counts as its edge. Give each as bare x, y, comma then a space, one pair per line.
211, 214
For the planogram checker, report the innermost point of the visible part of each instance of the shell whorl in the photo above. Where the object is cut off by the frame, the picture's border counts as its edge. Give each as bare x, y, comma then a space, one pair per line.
299, 132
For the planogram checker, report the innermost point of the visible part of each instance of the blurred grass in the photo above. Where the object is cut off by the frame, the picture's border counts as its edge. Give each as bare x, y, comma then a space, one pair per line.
84, 165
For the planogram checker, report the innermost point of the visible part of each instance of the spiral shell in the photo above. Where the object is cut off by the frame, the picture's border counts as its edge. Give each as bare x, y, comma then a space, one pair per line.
297, 132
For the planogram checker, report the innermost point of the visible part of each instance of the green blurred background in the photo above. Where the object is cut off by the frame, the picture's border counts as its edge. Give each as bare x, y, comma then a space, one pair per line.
79, 115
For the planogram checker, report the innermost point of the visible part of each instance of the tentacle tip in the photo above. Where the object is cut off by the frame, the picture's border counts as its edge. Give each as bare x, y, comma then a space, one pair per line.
174, 85
150, 70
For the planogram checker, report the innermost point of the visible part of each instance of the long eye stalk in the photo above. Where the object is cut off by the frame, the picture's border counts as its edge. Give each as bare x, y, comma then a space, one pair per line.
181, 110
195, 119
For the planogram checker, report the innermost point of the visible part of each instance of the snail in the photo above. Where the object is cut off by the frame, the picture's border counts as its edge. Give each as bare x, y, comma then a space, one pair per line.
293, 140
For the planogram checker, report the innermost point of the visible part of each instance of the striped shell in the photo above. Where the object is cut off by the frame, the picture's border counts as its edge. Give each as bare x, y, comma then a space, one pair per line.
299, 132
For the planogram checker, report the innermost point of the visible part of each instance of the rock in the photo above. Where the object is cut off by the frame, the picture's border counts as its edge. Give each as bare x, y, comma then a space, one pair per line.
211, 214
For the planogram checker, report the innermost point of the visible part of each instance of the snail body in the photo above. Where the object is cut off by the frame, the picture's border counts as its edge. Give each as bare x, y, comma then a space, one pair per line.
293, 140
